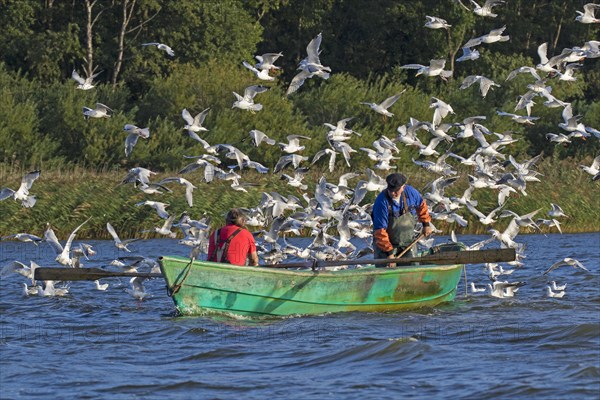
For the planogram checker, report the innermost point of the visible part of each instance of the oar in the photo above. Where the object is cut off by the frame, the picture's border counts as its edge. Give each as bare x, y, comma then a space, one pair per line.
443, 258
448, 257
84, 274
410, 246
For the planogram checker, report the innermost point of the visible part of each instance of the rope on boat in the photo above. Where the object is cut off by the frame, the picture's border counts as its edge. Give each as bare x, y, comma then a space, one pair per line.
177, 285
465, 272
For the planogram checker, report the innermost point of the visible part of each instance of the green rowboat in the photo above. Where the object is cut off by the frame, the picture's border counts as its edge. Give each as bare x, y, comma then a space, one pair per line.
205, 287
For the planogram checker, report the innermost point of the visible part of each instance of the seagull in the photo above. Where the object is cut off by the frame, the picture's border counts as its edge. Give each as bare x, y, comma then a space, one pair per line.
84, 84
293, 144
246, 102
19, 268
504, 289
587, 16
24, 237
468, 54
310, 66
382, 108
441, 110
158, 206
101, 287
101, 111
134, 134
137, 288
189, 187
557, 287
259, 137
266, 61
494, 36
262, 74
565, 261
119, 244
475, 289
63, 253
556, 211
558, 295
435, 68
521, 119
484, 83
165, 229
27, 291
436, 23
522, 70
593, 169
558, 138
22, 194
486, 9
50, 290
567, 76
549, 223
194, 124
161, 46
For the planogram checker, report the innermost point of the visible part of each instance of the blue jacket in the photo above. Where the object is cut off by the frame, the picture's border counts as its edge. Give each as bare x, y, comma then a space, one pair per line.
416, 206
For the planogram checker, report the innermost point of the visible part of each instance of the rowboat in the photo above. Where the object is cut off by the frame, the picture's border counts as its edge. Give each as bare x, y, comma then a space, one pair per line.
202, 287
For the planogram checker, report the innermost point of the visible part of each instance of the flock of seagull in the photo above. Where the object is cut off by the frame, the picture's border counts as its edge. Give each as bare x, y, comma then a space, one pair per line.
339, 206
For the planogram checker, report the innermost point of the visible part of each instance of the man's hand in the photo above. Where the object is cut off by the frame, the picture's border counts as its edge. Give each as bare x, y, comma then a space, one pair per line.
427, 230
391, 265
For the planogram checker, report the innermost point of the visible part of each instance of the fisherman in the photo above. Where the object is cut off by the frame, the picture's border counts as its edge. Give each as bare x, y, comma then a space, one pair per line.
234, 243
395, 214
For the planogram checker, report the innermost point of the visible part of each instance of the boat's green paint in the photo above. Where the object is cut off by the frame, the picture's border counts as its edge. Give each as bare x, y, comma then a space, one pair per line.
217, 287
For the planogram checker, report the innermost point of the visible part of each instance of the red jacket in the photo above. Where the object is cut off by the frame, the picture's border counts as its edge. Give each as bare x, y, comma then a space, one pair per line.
240, 247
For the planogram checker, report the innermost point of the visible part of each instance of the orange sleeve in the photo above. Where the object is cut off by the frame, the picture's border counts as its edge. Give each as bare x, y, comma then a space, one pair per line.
423, 212
382, 240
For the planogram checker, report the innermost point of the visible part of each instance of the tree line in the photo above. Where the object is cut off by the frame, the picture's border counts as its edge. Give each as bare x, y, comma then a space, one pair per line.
364, 43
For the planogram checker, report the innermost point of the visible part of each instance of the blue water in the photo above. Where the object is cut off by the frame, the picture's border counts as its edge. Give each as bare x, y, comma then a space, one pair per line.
92, 344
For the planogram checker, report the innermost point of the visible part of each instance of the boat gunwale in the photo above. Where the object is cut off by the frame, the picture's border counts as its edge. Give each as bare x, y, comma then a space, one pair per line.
371, 269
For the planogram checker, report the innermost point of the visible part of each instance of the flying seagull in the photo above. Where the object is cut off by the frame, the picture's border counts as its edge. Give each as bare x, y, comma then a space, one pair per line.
161, 46
22, 193
566, 261
382, 108
84, 84
101, 111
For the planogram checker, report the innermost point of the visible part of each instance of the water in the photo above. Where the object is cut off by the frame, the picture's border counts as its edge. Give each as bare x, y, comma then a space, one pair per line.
93, 344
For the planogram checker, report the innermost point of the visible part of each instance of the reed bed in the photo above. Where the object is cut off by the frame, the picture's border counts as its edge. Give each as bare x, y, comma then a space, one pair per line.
68, 195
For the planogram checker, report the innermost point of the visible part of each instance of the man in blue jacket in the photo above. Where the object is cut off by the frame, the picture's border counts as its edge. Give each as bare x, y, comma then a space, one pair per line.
395, 213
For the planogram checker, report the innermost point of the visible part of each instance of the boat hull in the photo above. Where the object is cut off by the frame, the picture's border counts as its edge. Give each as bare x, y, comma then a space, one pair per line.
207, 287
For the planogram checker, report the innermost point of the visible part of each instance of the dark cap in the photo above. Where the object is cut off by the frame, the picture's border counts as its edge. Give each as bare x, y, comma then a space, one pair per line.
395, 181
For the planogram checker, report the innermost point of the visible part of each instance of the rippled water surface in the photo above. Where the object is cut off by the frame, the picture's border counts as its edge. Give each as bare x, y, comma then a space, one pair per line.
92, 344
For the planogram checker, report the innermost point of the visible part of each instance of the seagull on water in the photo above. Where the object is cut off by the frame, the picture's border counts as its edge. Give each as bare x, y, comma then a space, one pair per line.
475, 289
99, 286
137, 288
162, 47
558, 294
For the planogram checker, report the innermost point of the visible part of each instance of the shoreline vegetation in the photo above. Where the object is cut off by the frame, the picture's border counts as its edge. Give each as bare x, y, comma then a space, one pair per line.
69, 195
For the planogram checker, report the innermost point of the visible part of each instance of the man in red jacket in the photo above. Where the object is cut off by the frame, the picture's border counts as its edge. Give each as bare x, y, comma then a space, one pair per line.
234, 244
